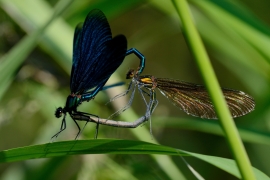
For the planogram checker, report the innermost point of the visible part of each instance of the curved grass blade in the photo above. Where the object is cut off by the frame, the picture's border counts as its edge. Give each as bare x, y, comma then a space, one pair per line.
109, 146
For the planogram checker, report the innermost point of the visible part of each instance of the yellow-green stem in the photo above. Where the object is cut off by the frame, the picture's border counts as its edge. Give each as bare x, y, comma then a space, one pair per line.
196, 46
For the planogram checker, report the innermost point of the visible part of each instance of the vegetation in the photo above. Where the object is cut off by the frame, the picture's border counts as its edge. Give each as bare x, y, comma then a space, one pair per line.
36, 50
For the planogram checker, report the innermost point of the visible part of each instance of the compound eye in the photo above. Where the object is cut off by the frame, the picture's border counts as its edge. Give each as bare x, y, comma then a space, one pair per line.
130, 74
58, 113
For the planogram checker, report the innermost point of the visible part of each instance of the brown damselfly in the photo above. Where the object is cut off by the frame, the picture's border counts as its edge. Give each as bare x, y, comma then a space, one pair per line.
191, 98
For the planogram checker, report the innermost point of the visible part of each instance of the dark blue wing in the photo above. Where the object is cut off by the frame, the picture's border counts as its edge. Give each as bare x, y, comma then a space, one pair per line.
105, 66
76, 38
89, 46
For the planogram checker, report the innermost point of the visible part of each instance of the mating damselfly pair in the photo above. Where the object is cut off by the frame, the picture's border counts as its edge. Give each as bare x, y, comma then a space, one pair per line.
96, 56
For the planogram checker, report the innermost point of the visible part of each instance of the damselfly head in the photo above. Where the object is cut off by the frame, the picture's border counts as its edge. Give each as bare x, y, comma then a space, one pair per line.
130, 74
59, 111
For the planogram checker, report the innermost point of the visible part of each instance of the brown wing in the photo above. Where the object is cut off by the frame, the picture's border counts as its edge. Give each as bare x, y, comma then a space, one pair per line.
194, 99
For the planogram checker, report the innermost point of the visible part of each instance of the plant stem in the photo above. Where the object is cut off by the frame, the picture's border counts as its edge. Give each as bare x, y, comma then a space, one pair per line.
196, 46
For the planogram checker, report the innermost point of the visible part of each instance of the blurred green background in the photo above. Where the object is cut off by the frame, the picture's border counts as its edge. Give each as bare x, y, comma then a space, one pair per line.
34, 81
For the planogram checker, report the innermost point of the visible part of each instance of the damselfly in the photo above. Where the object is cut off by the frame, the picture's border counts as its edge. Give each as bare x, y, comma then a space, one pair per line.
191, 98
96, 55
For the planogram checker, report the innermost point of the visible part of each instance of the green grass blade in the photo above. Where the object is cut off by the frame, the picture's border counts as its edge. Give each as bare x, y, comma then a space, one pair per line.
110, 146
15, 57
227, 165
201, 57
211, 127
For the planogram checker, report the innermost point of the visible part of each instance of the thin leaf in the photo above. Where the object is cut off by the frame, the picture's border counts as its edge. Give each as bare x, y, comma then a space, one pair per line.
109, 146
